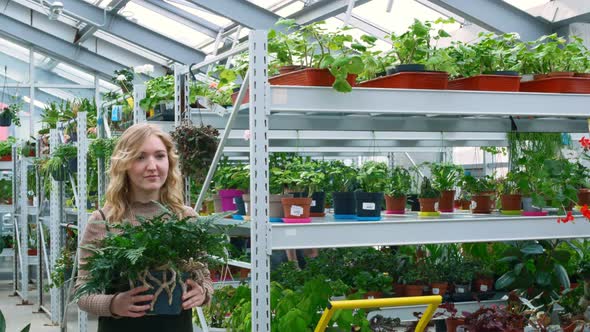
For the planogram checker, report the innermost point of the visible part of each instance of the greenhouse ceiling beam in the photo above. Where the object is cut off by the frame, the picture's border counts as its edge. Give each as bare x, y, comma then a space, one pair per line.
498, 16
134, 33
582, 18
252, 16
208, 28
18, 69
57, 47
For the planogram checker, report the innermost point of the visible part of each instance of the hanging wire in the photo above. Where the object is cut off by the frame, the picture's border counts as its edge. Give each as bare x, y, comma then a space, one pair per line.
4, 85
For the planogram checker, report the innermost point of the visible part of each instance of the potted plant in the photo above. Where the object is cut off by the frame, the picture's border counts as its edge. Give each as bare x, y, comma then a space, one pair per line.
230, 182
445, 178
28, 148
6, 148
302, 180
57, 166
32, 240
196, 148
481, 190
315, 171
510, 196
373, 285
414, 279
344, 180
102, 148
62, 270
428, 196
461, 275
399, 183
490, 64
6, 191
495, 318
127, 257
9, 114
160, 97
412, 51
372, 177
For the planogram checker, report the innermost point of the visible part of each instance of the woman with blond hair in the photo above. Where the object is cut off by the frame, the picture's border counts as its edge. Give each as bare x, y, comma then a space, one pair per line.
144, 170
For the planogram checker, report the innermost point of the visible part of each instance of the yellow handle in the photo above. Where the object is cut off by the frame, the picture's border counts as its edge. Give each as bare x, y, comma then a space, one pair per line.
432, 301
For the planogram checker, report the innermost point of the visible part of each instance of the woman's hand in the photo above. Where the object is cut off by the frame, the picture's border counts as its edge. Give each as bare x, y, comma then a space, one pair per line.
126, 304
194, 296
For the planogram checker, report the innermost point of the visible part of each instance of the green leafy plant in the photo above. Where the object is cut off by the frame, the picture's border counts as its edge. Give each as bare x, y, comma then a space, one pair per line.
28, 148
11, 112
6, 146
158, 89
552, 53
399, 182
366, 281
231, 175
342, 178
426, 189
62, 269
128, 253
59, 159
102, 147
196, 148
445, 176
474, 185
372, 176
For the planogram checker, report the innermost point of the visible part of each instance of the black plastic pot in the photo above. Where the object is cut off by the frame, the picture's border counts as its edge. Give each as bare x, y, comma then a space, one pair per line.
410, 67
167, 112
506, 72
368, 204
60, 174
162, 306
73, 165
240, 206
344, 203
318, 201
5, 121
414, 202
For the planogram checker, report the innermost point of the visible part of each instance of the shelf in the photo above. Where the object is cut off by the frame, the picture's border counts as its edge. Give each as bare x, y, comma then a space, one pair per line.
6, 208
5, 165
411, 230
406, 313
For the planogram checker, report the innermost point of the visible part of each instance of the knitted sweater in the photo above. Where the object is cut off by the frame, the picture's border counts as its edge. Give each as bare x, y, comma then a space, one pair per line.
99, 304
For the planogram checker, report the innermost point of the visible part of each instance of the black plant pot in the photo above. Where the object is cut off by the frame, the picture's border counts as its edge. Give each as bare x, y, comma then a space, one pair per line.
318, 200
505, 72
240, 206
5, 121
60, 174
162, 305
368, 204
410, 67
344, 203
73, 165
167, 112
414, 202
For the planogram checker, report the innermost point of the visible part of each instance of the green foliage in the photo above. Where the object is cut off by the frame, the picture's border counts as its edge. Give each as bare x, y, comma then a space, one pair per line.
216, 93
366, 281
399, 182
342, 178
445, 176
537, 268
552, 53
158, 90
6, 146
224, 302
102, 148
231, 175
137, 249
5, 190
11, 112
28, 148
426, 189
299, 175
415, 45
372, 176
474, 185
59, 159
63, 265
196, 148
124, 79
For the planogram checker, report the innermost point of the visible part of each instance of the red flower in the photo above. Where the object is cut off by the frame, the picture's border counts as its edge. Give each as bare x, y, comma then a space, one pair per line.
585, 211
569, 217
585, 142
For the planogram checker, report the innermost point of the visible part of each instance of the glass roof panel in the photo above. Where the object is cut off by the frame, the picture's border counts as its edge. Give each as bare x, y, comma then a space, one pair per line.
131, 47
290, 9
165, 25
195, 10
527, 4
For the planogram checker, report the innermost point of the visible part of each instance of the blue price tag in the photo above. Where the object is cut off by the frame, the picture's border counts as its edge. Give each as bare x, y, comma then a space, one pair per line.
116, 113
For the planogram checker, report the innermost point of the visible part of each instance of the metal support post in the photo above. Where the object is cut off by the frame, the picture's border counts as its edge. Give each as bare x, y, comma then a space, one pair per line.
82, 198
24, 225
260, 225
180, 84
15, 257
100, 133
54, 231
139, 91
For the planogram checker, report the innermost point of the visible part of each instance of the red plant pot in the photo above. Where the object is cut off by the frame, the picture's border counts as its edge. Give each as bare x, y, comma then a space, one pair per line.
439, 288
414, 290
511, 202
483, 203
583, 196
410, 80
399, 290
395, 204
484, 284
447, 197
32, 252
303, 77
373, 295
6, 158
486, 83
296, 208
557, 85
428, 204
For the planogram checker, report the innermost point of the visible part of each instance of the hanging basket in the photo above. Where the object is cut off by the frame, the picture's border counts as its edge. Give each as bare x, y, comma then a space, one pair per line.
5, 120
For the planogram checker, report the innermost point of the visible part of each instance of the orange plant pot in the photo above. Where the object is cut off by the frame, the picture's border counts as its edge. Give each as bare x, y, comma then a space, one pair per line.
428, 204
486, 83
409, 80
295, 208
447, 199
414, 290
557, 85
395, 203
511, 202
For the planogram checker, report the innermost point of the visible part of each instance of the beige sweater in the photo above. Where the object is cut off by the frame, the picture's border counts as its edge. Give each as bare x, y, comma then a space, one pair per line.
99, 304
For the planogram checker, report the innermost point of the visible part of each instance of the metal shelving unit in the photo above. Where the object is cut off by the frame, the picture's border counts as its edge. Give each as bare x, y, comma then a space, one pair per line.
458, 106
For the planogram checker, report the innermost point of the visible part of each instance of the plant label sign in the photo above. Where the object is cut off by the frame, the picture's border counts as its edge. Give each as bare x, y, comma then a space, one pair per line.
435, 291
234, 200
483, 288
296, 210
473, 205
369, 206
436, 206
312, 202
460, 290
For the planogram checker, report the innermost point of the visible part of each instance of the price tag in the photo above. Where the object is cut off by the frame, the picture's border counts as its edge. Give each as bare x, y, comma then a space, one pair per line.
296, 210
369, 206
246, 208
313, 203
483, 288
473, 205
460, 290
435, 291
436, 206
234, 200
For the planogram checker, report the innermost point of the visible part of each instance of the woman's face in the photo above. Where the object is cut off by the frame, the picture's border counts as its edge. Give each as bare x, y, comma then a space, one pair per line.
149, 171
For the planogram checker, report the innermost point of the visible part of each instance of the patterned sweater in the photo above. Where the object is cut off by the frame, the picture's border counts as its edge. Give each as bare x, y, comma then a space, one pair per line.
99, 304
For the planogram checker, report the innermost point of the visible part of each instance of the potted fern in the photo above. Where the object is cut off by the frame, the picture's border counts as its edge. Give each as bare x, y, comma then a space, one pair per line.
445, 177
128, 257
398, 186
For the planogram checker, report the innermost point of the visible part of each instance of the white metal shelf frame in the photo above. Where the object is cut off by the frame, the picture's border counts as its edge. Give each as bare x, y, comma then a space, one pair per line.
267, 236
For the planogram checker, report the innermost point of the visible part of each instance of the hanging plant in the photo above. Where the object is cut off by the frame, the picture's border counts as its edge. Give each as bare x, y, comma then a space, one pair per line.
196, 147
